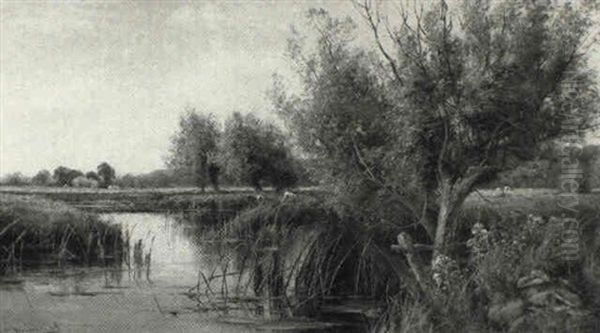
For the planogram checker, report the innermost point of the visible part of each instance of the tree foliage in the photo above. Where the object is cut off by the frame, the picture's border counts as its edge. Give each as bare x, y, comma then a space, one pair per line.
92, 175
194, 148
254, 152
456, 100
153, 179
106, 173
63, 176
14, 179
42, 178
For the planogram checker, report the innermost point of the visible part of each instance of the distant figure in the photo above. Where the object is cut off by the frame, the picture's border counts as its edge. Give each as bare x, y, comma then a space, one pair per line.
287, 195
507, 189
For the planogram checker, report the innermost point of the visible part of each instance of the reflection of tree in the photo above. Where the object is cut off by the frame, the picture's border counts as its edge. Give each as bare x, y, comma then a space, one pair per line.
113, 277
138, 259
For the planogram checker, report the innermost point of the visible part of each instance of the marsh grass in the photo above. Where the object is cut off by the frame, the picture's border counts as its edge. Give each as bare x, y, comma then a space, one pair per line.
36, 231
291, 255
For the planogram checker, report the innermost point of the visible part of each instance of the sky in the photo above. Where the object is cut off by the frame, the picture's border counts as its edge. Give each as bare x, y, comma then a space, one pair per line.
86, 82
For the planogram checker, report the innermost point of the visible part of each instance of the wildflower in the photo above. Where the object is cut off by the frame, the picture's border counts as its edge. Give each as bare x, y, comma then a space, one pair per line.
445, 272
479, 244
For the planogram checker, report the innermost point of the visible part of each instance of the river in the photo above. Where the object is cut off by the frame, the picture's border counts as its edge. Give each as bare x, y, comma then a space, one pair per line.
160, 288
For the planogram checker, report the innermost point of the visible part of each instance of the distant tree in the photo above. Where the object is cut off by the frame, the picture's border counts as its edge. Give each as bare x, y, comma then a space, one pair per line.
194, 147
63, 176
92, 175
15, 179
60, 176
127, 181
158, 178
42, 178
254, 152
153, 179
106, 173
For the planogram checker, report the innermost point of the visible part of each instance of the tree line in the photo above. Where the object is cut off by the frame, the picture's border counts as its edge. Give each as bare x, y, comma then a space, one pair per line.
245, 150
103, 177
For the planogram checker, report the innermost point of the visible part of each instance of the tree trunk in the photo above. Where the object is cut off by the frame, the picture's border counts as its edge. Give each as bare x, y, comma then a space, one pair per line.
452, 196
444, 213
201, 177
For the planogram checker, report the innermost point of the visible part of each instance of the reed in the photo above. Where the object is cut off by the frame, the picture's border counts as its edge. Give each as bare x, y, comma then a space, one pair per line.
293, 254
36, 231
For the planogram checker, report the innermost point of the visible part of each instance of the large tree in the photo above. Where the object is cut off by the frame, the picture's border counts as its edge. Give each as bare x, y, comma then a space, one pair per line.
194, 147
454, 101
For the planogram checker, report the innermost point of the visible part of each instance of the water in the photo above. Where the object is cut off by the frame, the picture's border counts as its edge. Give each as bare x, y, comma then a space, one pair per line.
160, 288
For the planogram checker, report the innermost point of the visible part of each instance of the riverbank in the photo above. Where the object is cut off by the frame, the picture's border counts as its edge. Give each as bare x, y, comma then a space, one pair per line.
35, 231
322, 253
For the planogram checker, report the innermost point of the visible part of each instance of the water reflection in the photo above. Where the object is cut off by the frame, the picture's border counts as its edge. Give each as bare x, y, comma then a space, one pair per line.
165, 250
169, 269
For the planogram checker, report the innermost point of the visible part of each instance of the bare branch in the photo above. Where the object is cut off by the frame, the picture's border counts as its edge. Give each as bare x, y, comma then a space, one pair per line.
374, 23
371, 176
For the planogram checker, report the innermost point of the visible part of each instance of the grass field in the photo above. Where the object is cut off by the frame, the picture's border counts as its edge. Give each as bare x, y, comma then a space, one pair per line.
150, 199
133, 191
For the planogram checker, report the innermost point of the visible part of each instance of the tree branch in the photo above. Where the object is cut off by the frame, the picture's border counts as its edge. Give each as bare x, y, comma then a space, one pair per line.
366, 7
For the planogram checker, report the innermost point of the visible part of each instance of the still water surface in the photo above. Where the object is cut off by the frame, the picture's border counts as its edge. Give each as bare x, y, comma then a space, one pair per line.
150, 293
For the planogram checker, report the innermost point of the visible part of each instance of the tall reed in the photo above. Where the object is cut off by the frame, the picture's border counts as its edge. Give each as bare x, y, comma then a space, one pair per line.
36, 231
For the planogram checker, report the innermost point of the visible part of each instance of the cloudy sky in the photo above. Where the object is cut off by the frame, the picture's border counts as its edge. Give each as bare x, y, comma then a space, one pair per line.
85, 82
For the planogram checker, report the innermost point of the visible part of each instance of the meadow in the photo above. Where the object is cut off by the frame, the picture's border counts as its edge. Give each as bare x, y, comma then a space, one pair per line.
150, 199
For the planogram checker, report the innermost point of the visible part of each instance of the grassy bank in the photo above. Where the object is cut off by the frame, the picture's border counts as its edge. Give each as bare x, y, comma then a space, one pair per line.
521, 263
36, 231
301, 252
